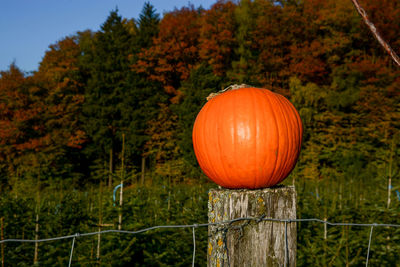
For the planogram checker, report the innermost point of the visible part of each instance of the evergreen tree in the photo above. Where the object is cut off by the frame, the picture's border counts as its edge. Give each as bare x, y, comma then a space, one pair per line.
244, 56
108, 67
118, 100
146, 93
147, 26
200, 84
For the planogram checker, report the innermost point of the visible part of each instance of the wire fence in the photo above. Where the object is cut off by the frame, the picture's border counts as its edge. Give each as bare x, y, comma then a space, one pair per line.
225, 225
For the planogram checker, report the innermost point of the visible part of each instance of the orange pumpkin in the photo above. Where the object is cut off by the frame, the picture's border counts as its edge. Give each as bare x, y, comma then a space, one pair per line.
247, 138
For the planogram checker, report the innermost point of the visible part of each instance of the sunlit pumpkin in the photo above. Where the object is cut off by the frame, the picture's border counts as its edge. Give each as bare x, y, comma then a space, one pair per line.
247, 138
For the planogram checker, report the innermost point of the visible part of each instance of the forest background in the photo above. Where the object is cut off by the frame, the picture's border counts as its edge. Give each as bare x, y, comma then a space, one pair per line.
119, 105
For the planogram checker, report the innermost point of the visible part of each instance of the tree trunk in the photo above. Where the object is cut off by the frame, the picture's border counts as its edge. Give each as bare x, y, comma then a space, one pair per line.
110, 168
100, 223
389, 191
36, 255
143, 170
2, 244
390, 174
122, 183
252, 243
120, 206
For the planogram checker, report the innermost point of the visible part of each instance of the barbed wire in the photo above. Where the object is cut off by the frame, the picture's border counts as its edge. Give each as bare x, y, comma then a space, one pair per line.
225, 227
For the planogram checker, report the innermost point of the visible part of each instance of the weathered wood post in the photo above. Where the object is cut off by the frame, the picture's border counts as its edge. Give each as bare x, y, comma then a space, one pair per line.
252, 242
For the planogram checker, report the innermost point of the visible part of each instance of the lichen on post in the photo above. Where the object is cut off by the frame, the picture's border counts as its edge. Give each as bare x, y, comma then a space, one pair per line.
252, 242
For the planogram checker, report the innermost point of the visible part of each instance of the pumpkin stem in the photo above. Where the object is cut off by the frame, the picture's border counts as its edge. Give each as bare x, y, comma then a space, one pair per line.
230, 87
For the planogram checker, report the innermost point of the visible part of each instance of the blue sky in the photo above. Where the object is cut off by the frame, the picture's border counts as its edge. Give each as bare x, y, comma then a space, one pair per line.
28, 27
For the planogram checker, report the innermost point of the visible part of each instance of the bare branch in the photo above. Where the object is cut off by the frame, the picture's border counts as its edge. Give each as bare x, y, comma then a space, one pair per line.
375, 32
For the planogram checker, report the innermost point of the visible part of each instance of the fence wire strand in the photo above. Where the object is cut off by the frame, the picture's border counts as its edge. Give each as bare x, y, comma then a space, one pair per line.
72, 251
224, 224
194, 245
369, 244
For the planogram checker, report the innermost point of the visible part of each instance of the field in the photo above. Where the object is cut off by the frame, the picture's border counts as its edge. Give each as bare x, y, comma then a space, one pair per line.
64, 212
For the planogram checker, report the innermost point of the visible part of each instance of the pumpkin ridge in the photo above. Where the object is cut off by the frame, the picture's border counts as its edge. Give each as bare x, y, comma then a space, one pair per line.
299, 127
266, 136
297, 132
268, 95
196, 139
280, 156
289, 146
296, 121
235, 139
253, 98
204, 146
237, 98
220, 151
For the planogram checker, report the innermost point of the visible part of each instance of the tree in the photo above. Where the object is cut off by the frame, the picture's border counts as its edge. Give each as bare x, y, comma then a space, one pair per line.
118, 100
148, 26
174, 51
242, 63
162, 144
12, 99
40, 122
200, 84
107, 65
59, 73
24, 137
217, 42
276, 29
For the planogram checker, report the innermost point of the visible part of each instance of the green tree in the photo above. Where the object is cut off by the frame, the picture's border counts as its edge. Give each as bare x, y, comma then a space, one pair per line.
107, 65
244, 56
195, 90
148, 26
146, 94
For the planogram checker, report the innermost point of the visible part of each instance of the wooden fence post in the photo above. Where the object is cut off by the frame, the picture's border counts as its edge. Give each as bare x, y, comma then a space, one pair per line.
252, 242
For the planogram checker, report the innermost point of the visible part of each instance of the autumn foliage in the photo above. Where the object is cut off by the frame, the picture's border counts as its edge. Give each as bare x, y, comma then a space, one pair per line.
147, 78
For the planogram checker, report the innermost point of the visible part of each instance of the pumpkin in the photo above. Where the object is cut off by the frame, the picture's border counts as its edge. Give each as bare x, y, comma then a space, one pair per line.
247, 138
